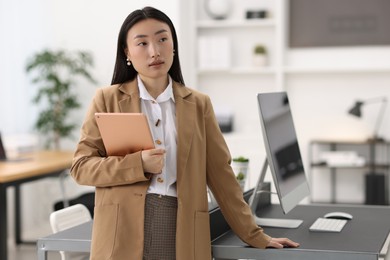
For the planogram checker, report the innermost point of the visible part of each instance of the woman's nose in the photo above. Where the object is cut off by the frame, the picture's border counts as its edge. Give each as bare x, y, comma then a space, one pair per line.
154, 51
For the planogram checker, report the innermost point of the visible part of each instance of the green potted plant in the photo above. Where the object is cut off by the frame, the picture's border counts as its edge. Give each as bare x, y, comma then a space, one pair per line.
55, 72
259, 55
240, 167
241, 159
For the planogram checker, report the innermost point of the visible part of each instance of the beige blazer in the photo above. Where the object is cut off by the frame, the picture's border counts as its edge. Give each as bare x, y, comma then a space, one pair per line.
203, 160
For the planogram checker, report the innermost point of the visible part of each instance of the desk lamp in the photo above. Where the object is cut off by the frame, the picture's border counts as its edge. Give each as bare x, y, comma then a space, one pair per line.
356, 110
375, 183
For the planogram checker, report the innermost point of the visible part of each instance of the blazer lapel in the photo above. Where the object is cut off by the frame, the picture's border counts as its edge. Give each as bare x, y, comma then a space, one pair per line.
185, 116
131, 103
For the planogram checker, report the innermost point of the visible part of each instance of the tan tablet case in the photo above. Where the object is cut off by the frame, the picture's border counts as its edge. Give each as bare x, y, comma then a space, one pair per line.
124, 133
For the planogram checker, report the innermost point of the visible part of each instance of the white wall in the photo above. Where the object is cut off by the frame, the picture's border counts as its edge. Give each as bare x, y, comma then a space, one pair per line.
27, 27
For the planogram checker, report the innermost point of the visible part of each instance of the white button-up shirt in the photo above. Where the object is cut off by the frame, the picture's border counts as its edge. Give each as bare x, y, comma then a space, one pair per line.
161, 114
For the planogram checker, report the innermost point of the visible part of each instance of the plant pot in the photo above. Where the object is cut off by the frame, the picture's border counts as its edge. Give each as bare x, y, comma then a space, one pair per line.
259, 60
241, 172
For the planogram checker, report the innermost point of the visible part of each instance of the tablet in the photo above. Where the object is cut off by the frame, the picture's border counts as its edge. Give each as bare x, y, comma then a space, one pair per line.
124, 133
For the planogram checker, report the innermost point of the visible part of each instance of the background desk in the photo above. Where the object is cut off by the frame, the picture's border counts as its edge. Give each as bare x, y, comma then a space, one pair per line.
363, 237
39, 165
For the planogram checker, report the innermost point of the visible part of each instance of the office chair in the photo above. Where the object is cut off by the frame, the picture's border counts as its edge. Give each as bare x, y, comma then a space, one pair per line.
67, 218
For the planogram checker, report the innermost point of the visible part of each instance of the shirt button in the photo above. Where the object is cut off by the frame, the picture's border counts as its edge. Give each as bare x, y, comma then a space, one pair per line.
158, 142
160, 180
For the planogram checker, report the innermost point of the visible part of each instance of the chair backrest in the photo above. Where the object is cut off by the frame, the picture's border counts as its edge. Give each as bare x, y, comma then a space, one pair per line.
66, 218
69, 217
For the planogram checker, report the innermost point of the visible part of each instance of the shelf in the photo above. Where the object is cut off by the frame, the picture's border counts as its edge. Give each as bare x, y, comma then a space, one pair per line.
335, 69
243, 70
348, 142
235, 23
307, 70
319, 165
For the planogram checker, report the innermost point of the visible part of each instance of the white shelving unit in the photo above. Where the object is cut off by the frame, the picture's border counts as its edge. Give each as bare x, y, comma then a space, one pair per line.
243, 34
237, 79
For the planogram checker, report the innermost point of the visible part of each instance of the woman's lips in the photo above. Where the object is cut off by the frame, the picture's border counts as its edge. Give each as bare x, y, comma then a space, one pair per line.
156, 63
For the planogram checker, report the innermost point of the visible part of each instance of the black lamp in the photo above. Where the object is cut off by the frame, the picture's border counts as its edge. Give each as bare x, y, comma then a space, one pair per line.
375, 182
356, 110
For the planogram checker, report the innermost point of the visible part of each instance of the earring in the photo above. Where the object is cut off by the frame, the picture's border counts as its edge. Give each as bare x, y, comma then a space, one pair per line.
128, 62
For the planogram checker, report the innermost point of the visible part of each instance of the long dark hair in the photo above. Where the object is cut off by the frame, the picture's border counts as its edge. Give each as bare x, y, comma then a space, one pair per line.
122, 72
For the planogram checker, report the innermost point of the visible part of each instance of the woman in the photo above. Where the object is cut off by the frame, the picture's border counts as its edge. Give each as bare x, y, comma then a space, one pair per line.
153, 204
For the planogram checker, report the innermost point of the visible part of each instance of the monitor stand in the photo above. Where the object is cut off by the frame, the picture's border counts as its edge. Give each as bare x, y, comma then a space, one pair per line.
278, 222
254, 200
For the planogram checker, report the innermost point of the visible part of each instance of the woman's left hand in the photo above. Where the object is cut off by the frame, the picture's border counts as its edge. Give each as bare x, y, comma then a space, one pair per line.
281, 242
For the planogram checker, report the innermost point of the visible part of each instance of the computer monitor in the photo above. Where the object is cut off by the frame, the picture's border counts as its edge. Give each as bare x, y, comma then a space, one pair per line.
283, 158
3, 155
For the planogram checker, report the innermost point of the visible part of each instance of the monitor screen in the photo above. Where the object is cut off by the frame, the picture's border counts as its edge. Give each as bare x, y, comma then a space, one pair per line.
282, 149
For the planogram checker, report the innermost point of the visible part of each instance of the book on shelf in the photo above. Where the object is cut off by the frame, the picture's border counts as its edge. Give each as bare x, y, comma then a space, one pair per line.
214, 52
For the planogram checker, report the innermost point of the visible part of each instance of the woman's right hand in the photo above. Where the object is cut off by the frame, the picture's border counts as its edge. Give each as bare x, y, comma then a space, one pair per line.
282, 242
153, 160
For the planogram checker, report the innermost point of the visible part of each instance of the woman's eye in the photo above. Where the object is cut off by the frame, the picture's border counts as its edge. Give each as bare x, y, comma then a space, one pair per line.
163, 39
141, 44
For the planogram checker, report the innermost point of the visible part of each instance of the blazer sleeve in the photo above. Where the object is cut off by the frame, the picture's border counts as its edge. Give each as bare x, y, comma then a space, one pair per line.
226, 189
90, 164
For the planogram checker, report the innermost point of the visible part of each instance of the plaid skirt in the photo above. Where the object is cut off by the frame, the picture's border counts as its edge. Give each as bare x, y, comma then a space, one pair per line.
160, 227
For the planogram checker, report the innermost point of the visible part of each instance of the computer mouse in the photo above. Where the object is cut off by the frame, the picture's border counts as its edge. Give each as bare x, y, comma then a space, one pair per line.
338, 215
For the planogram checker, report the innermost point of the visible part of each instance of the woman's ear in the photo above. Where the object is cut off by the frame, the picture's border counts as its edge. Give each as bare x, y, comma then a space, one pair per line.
127, 53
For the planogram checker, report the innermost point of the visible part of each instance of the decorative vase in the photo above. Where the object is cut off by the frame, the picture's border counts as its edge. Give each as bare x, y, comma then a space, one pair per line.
218, 9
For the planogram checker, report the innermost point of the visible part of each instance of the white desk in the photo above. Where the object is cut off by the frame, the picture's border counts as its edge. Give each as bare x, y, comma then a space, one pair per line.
76, 239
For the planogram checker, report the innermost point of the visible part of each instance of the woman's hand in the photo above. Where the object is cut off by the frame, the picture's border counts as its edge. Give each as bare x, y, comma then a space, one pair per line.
281, 242
153, 160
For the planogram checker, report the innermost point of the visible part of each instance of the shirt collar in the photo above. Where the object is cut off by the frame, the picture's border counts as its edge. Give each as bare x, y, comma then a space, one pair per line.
165, 96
